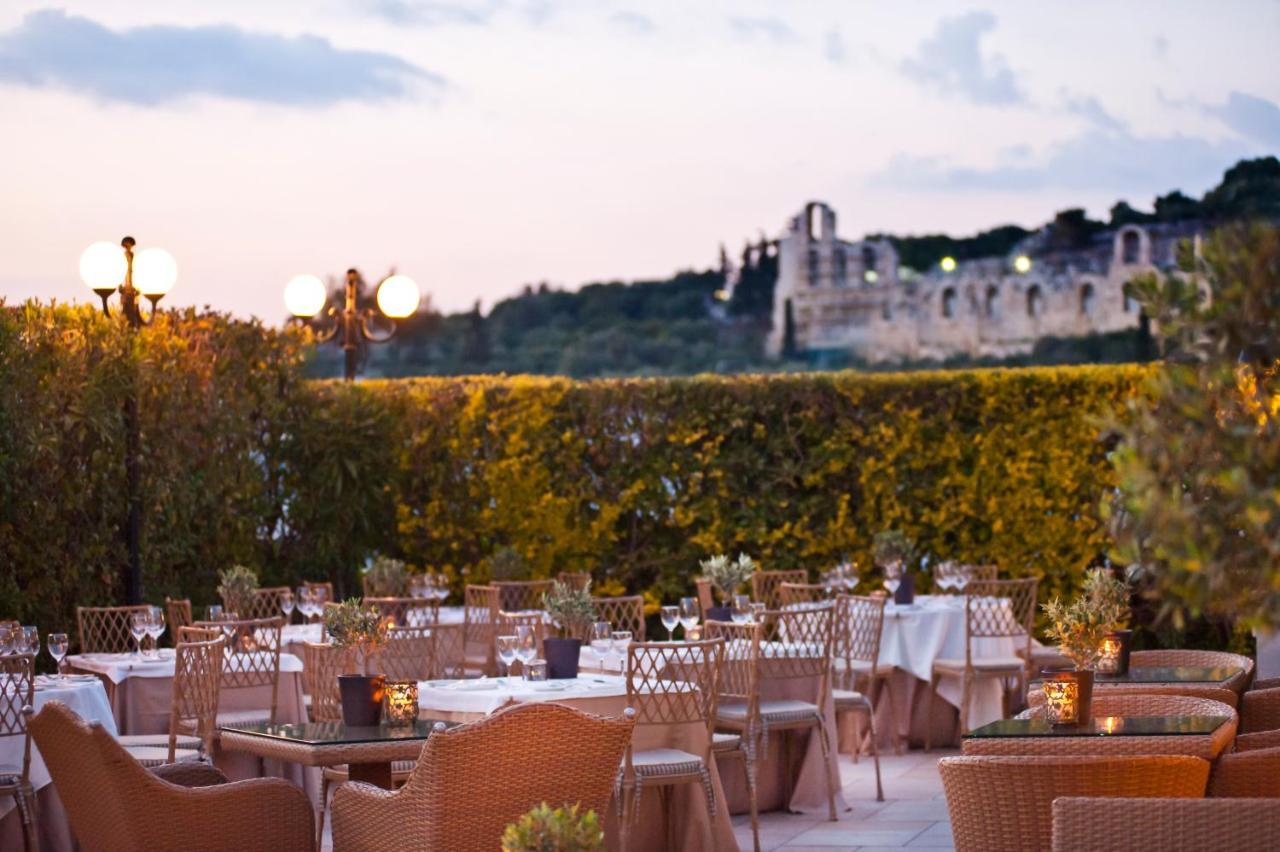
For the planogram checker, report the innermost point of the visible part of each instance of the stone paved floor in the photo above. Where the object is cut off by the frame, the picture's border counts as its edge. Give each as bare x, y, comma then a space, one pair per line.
912, 816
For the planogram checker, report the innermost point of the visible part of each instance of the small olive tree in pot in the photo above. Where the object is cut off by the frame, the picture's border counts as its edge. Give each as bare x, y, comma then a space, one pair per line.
361, 631
572, 611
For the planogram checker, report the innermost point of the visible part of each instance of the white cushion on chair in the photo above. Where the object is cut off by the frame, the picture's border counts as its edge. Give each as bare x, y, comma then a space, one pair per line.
848, 700
158, 755
725, 742
182, 741
665, 762
982, 664
782, 710
860, 667
243, 717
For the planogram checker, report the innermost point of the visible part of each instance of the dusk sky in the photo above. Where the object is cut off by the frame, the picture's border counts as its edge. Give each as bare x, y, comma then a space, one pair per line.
478, 146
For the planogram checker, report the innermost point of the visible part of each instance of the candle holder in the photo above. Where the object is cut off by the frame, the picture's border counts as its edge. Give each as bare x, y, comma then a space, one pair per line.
1068, 695
400, 700
535, 670
1115, 653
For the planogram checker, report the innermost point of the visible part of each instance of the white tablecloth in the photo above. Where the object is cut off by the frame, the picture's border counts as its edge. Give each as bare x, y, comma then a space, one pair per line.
117, 667
485, 695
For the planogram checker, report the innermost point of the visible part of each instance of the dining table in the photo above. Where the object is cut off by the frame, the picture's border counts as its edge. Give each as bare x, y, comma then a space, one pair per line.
84, 695
1205, 736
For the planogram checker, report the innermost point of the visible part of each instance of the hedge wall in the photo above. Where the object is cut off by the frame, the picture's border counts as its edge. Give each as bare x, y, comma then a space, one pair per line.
635, 480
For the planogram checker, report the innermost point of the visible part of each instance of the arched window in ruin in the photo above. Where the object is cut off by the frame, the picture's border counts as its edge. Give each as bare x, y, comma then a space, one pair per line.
868, 258
1087, 300
1130, 247
1128, 303
842, 267
813, 267
991, 305
1035, 301
949, 302
813, 221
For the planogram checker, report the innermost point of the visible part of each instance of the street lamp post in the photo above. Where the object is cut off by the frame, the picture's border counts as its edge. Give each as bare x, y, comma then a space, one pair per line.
352, 326
107, 269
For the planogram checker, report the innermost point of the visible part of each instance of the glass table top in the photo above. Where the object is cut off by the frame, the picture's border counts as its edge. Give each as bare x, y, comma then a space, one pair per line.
1168, 674
1103, 726
337, 733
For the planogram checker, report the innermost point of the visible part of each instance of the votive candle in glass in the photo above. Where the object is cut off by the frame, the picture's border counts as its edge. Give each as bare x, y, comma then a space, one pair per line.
1061, 701
400, 702
1109, 656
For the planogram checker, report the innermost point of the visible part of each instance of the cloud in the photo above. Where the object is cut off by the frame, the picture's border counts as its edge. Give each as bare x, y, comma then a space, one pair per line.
771, 28
1250, 116
1160, 47
1096, 160
153, 65
951, 61
833, 46
1091, 110
633, 22
440, 13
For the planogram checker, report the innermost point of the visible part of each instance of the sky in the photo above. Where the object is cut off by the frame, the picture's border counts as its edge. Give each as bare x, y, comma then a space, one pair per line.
480, 146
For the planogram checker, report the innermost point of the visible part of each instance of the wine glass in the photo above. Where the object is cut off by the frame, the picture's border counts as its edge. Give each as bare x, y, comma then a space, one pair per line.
441, 587
138, 628
213, 612
507, 652
757, 611
30, 639
690, 614
621, 641
8, 638
670, 618
155, 629
526, 646
892, 576
740, 613
57, 649
286, 605
601, 640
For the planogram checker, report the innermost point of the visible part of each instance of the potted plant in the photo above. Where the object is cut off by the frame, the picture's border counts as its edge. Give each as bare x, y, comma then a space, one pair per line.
572, 610
237, 585
560, 830
895, 553
727, 576
362, 631
385, 577
1081, 627
506, 565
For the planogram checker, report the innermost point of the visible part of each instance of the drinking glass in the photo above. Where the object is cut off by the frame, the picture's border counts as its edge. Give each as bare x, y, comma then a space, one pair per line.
670, 618
621, 640
30, 639
213, 612
601, 640
757, 611
740, 613
690, 614
138, 628
8, 638
155, 628
57, 649
441, 587
507, 652
526, 645
286, 605
892, 575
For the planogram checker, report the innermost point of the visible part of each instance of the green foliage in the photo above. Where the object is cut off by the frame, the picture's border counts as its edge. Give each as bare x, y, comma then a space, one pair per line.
357, 627
927, 251
236, 586
561, 830
728, 575
1079, 628
506, 564
385, 577
572, 609
892, 546
1198, 507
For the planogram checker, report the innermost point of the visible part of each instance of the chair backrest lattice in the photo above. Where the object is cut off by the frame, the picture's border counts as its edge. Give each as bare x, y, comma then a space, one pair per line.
252, 656
321, 665
765, 585
575, 579
999, 608
191, 633
323, 586
859, 642
623, 613
706, 598
799, 594
265, 603
17, 690
520, 595
509, 621
105, 629
738, 680
670, 683
178, 611
798, 643
197, 679
407, 611
409, 654
480, 620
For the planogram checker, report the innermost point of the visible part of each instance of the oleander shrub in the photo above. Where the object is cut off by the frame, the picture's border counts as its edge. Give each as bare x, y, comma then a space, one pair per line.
246, 462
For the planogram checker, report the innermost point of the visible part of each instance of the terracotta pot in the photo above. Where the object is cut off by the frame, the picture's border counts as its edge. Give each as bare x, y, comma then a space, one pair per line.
361, 698
719, 613
562, 657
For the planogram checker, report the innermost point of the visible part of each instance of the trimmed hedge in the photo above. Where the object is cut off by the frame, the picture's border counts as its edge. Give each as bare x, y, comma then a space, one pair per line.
635, 480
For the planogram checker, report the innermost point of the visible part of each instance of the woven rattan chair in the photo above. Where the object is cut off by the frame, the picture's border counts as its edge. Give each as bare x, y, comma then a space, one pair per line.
1035, 697
193, 706
993, 609
1247, 774
17, 690
480, 620
706, 598
1004, 804
116, 805
669, 683
623, 613
1164, 825
474, 780
1265, 683
1261, 739
105, 629
764, 585
575, 579
251, 661
1191, 657
178, 611
857, 666
521, 595
321, 665
406, 612
265, 603
1260, 710
323, 587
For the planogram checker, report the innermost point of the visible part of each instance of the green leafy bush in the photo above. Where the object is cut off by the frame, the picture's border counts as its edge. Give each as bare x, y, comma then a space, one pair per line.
385, 577
560, 830
506, 564
572, 609
236, 586
728, 575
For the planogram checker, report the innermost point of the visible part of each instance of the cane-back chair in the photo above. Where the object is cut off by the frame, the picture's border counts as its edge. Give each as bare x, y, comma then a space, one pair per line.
193, 706
251, 661
623, 613
521, 595
765, 585
1171, 657
706, 597
1088, 824
578, 580
178, 611
480, 620
17, 690
406, 612
105, 629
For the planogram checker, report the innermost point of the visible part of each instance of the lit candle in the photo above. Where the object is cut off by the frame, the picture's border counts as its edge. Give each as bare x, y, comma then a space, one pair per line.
1061, 702
1111, 724
1109, 658
401, 699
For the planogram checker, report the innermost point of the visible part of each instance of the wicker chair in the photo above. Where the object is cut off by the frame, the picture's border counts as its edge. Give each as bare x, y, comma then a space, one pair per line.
321, 665
1247, 774
178, 611
265, 603
480, 620
1188, 657
324, 587
521, 595
765, 585
197, 674
624, 613
993, 608
1261, 739
706, 598
575, 579
17, 690
1260, 710
105, 629
1265, 683
116, 805
406, 612
669, 684
1035, 697
1164, 825
1004, 804
251, 661
474, 780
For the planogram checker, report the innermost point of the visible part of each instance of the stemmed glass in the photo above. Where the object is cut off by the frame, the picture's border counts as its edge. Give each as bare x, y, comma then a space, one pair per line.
601, 641
306, 603
690, 615
621, 641
440, 587
286, 605
138, 628
758, 609
740, 612
507, 652
526, 646
155, 629
30, 639
213, 612
670, 618
892, 576
8, 638
57, 649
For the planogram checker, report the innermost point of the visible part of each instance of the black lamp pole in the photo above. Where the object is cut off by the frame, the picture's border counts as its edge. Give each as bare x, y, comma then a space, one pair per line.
350, 326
